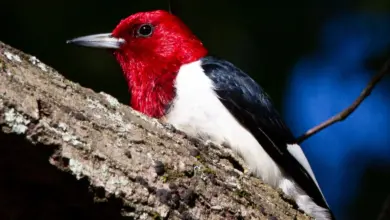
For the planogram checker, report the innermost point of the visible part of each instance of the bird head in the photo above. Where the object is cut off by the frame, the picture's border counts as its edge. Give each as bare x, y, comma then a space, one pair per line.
150, 47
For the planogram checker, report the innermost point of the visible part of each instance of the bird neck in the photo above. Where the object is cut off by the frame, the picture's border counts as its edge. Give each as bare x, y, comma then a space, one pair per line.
152, 88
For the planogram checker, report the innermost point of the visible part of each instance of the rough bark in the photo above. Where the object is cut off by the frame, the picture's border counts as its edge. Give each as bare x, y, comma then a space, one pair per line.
70, 153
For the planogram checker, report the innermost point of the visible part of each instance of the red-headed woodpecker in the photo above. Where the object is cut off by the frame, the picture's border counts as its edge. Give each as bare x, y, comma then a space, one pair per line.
170, 75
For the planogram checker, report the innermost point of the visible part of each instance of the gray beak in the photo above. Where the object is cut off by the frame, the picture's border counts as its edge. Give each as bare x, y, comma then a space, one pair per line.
98, 41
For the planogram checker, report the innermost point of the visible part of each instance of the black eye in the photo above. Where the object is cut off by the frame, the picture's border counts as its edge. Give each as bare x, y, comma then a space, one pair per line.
145, 30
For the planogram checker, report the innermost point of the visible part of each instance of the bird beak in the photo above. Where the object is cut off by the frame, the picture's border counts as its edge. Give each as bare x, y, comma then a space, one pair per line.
98, 41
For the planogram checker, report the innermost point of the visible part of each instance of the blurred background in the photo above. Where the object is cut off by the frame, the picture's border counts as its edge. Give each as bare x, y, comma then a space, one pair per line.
312, 57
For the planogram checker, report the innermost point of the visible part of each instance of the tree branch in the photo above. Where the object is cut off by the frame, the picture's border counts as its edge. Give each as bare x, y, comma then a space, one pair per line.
348, 111
67, 152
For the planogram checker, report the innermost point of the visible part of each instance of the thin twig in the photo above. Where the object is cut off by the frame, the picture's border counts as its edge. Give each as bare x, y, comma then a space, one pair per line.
169, 7
346, 112
385, 213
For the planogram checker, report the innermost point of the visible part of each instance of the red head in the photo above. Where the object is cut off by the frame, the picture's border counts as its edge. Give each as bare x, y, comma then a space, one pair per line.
150, 47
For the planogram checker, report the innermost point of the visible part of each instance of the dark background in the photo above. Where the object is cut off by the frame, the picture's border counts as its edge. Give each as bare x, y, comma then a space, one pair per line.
312, 57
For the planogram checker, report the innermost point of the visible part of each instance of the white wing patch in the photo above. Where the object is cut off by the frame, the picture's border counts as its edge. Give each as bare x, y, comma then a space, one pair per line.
296, 151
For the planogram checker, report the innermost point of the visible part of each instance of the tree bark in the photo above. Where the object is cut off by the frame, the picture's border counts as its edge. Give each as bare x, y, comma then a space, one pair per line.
70, 153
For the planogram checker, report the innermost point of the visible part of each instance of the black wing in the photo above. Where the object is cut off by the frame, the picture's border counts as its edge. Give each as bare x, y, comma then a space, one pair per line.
251, 106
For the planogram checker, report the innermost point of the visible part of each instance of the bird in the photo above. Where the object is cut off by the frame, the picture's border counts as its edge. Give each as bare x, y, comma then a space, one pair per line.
172, 76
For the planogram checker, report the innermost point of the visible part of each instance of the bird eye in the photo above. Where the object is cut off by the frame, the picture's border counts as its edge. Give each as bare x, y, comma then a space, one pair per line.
145, 30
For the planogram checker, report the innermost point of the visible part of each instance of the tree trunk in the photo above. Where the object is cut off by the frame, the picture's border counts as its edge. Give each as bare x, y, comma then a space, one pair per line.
70, 153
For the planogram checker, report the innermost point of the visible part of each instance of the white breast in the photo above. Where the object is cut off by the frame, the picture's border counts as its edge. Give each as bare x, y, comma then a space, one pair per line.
197, 111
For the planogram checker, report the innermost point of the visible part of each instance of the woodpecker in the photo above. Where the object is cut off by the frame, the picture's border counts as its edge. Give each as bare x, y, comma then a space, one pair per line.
171, 75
